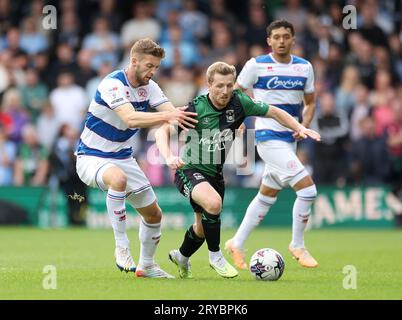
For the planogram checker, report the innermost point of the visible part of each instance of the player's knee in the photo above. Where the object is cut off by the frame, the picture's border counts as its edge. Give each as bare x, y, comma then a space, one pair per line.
214, 206
307, 194
119, 181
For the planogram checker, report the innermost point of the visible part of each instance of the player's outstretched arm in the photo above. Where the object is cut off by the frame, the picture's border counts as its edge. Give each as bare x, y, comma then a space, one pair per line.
288, 121
162, 136
138, 119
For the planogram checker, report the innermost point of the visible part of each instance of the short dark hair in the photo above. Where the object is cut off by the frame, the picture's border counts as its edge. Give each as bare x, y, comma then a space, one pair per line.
279, 24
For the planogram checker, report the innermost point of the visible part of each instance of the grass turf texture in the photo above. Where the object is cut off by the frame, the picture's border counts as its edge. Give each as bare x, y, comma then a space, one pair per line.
85, 267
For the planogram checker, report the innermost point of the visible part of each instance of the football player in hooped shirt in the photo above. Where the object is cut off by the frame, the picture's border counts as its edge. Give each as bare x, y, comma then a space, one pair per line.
104, 153
285, 81
199, 172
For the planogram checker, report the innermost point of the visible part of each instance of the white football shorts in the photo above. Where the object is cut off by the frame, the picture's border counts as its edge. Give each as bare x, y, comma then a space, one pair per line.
90, 169
282, 167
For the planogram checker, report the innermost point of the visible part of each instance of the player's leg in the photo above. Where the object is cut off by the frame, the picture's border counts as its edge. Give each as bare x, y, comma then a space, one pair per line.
193, 240
306, 193
107, 176
194, 236
205, 195
114, 179
149, 233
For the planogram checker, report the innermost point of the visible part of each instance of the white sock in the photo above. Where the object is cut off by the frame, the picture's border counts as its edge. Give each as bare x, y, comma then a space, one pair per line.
116, 209
214, 257
149, 235
182, 259
255, 213
301, 214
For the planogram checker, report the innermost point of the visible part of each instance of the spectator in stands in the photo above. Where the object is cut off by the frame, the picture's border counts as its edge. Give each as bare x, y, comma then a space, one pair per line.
381, 98
47, 126
142, 25
84, 72
362, 57
360, 110
345, 92
13, 108
173, 19
396, 54
369, 157
294, 13
394, 143
103, 44
330, 157
7, 158
193, 20
32, 41
34, 94
178, 51
335, 65
218, 10
62, 164
8, 18
64, 62
180, 88
256, 26
70, 31
69, 101
369, 27
31, 165
221, 43
108, 10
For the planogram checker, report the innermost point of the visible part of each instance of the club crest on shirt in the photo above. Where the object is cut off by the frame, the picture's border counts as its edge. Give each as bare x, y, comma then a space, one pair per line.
230, 116
205, 120
142, 94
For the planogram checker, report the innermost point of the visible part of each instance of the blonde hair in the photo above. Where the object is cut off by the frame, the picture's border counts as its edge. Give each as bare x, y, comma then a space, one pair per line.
221, 68
147, 46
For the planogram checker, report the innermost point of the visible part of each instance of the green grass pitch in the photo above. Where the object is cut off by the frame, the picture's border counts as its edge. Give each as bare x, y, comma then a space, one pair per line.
85, 267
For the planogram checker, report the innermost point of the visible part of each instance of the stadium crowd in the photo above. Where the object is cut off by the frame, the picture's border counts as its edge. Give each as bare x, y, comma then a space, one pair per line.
48, 78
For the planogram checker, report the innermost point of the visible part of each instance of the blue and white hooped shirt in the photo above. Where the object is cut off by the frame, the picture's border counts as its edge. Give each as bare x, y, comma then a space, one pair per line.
279, 84
105, 134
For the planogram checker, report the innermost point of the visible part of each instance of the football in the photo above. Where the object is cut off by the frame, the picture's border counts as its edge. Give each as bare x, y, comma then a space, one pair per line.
267, 264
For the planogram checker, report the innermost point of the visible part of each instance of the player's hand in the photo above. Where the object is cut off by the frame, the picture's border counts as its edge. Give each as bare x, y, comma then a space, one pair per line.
240, 130
307, 133
175, 162
184, 119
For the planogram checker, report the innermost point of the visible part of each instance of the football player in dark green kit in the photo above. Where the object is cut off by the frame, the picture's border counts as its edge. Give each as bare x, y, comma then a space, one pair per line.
199, 172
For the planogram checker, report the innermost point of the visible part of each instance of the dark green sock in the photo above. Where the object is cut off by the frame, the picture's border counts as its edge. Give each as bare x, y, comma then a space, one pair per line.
191, 243
212, 230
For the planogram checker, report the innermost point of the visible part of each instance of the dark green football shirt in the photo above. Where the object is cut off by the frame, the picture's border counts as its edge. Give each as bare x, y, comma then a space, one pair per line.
209, 142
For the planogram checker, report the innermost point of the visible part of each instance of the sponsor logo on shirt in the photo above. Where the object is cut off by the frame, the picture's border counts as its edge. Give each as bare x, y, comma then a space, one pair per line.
275, 82
217, 140
117, 101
